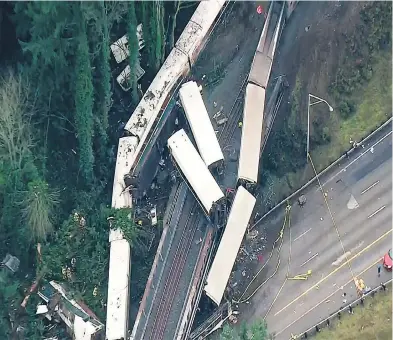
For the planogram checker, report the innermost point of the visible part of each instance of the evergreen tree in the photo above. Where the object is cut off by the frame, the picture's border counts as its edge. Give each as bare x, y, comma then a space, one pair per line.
133, 47
84, 107
103, 89
153, 32
97, 17
159, 33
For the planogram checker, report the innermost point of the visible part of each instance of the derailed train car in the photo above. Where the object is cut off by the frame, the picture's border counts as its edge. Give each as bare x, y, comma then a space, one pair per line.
148, 113
200, 124
139, 129
253, 112
197, 176
220, 271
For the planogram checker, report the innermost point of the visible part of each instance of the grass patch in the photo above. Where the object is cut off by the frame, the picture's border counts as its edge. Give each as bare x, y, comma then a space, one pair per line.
373, 321
374, 108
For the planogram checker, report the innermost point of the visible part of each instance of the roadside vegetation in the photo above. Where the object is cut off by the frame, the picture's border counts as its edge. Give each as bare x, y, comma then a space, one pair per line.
373, 321
360, 93
59, 110
257, 331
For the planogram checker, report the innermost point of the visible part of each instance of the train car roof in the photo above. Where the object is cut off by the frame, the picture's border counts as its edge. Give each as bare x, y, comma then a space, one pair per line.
254, 105
200, 123
194, 170
125, 151
118, 290
224, 260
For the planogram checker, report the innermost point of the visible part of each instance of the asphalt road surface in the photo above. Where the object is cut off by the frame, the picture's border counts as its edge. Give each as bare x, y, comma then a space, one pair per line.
359, 195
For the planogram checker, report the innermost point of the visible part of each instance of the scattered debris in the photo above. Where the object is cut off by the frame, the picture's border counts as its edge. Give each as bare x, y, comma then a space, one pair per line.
221, 121
153, 216
80, 321
10, 262
302, 200
252, 234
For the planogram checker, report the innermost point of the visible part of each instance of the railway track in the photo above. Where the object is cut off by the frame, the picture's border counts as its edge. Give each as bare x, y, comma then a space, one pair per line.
175, 272
178, 198
171, 285
234, 114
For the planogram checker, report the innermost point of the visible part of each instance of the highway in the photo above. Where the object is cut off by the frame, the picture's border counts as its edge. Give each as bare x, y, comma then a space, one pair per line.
359, 195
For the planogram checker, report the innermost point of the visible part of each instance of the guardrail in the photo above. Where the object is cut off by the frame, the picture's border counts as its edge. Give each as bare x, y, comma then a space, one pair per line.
312, 180
349, 307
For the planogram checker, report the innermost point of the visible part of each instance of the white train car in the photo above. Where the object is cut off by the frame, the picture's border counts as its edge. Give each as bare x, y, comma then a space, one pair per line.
254, 105
223, 262
176, 65
118, 290
200, 124
263, 59
139, 126
120, 251
195, 172
193, 38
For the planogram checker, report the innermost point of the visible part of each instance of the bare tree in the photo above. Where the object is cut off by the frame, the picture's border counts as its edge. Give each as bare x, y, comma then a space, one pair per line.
15, 115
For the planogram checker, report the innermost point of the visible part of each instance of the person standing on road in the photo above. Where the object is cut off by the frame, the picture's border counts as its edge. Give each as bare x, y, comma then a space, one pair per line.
379, 270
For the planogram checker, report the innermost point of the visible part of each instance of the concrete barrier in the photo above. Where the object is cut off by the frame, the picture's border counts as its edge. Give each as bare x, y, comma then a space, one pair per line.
336, 315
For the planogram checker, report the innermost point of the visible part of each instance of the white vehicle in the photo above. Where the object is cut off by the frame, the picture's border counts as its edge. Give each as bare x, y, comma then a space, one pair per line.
254, 106
153, 216
195, 172
123, 79
120, 48
223, 262
201, 126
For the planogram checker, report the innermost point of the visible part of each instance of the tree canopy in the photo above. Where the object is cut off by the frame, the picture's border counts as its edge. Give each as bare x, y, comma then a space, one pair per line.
255, 331
59, 109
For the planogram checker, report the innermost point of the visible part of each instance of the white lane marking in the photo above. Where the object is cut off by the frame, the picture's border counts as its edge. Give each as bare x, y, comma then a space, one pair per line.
377, 211
312, 257
370, 187
301, 235
341, 259
357, 158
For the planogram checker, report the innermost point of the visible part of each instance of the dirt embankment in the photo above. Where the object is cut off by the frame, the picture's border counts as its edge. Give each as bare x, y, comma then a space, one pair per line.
312, 46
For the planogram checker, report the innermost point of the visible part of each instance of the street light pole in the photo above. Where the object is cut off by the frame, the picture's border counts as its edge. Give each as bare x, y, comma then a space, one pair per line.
308, 125
319, 100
